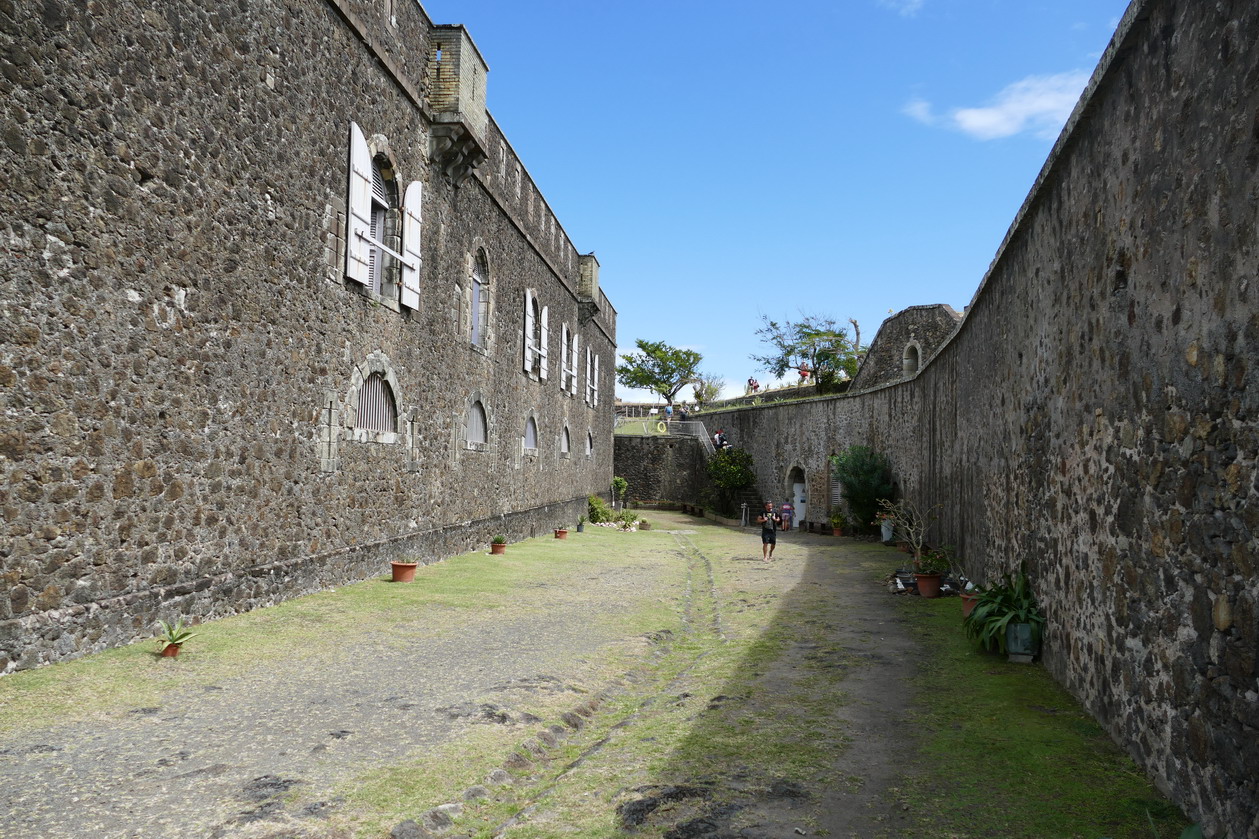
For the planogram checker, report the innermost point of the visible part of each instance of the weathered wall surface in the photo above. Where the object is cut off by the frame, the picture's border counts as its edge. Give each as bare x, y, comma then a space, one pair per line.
918, 331
660, 468
179, 344
1094, 417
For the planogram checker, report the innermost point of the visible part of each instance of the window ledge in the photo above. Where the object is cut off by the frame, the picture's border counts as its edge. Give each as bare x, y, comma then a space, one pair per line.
366, 435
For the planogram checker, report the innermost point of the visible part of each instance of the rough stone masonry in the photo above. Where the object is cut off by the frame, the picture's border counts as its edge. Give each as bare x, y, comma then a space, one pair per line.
278, 303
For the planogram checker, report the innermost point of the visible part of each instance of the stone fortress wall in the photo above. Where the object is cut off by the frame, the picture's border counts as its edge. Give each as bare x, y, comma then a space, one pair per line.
1093, 417
189, 426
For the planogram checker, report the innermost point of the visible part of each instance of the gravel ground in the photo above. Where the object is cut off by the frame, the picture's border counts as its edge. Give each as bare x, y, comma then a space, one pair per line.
263, 752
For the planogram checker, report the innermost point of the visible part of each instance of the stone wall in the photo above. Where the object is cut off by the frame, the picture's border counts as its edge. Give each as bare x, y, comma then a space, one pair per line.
181, 351
1094, 416
904, 343
660, 468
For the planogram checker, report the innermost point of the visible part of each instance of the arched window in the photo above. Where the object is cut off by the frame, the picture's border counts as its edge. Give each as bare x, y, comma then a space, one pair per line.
590, 444
377, 410
531, 435
476, 425
909, 361
565, 443
478, 305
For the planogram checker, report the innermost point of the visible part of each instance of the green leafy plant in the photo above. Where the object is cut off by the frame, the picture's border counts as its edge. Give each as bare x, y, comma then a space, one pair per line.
730, 471
598, 509
499, 540
619, 486
935, 561
581, 519
173, 635
838, 519
865, 478
1001, 605
658, 367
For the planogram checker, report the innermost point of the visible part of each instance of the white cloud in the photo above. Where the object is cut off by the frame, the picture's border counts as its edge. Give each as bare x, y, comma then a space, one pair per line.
919, 109
1039, 104
904, 8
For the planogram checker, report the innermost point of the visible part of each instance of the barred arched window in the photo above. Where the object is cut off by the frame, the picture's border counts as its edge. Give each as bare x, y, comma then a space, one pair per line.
377, 410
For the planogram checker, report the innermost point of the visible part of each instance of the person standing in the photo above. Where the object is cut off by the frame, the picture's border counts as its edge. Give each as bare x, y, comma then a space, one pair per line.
770, 522
788, 513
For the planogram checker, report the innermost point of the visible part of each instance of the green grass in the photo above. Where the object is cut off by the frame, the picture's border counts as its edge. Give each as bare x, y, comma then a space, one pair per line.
1009, 753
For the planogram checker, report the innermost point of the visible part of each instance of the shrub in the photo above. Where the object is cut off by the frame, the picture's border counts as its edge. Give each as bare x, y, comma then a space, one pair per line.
730, 470
599, 509
866, 479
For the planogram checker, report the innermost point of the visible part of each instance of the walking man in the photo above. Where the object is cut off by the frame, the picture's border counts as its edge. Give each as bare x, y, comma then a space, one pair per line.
769, 526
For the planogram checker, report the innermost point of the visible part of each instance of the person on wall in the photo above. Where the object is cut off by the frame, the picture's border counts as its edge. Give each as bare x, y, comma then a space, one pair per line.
770, 522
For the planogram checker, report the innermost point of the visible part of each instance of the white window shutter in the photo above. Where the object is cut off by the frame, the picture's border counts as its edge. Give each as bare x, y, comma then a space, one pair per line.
564, 357
529, 349
411, 245
594, 403
572, 385
358, 209
545, 348
589, 367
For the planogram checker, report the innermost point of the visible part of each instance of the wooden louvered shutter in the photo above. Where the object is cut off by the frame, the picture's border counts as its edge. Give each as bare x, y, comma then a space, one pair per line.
544, 348
572, 385
411, 259
594, 402
564, 333
358, 209
529, 350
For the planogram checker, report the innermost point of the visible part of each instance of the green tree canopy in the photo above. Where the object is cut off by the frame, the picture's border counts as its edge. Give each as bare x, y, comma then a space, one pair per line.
818, 341
659, 368
865, 478
730, 470
707, 387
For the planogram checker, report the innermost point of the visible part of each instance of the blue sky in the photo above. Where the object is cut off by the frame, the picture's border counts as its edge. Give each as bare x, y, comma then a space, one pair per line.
728, 160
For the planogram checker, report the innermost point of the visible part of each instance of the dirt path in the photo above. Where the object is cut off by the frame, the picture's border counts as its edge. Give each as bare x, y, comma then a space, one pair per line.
597, 729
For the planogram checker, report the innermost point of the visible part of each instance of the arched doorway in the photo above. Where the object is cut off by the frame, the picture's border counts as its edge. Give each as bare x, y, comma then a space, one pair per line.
796, 492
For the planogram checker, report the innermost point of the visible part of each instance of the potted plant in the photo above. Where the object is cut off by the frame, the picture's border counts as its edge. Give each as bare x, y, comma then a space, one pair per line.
929, 568
619, 486
887, 530
910, 526
581, 524
643, 524
1007, 618
172, 638
403, 571
838, 522
498, 544
561, 533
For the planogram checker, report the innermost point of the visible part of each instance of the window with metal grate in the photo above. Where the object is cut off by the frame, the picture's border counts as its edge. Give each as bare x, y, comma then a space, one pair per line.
377, 410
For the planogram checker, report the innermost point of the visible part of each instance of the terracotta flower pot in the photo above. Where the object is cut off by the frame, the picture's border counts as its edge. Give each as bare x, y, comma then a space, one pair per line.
498, 547
928, 584
170, 650
561, 533
837, 531
969, 599
403, 572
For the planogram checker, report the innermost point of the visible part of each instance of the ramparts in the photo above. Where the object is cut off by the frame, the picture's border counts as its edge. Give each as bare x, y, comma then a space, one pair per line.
1094, 416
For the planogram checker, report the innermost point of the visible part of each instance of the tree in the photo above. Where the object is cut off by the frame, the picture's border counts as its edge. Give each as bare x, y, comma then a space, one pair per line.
708, 387
659, 368
865, 477
730, 470
817, 341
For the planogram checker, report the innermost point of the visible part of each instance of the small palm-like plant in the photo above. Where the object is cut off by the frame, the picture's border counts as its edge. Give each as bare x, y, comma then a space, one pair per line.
173, 635
1002, 605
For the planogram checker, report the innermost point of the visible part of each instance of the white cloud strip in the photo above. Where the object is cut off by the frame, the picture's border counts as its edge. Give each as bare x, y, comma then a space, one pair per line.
1038, 105
904, 8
